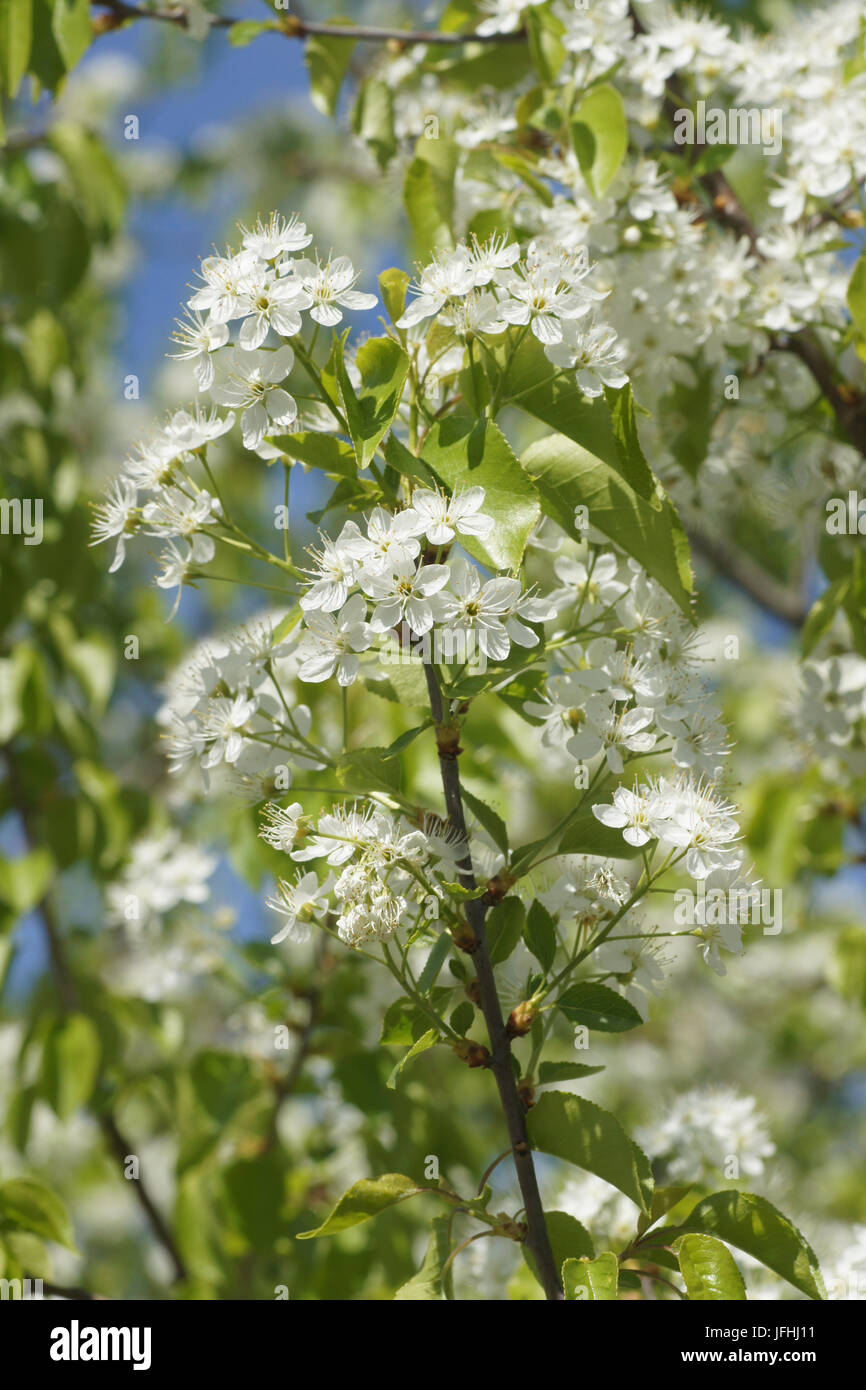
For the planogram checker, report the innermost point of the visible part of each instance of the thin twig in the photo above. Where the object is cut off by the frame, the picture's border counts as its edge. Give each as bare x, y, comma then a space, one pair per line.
294, 27
537, 1239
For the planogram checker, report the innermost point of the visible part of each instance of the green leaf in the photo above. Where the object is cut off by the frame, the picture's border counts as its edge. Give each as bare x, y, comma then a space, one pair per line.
847, 969
598, 1007
599, 132
255, 1188
564, 1071
856, 296
428, 1283
567, 475
368, 769
428, 193
434, 962
405, 740
327, 61
401, 460
709, 1270
373, 119
540, 935
16, 34
70, 1064
393, 285
383, 366
424, 1043
822, 613
475, 453
492, 823
568, 1240
754, 1225
664, 1198
591, 1280
318, 450
582, 1133
31, 1207
70, 24
544, 32
463, 1018
24, 881
362, 1201
245, 30
504, 928
524, 171
222, 1083
402, 1024
100, 192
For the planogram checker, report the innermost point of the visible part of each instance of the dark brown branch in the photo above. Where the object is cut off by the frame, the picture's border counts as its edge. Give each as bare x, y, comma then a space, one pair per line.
294, 27
537, 1239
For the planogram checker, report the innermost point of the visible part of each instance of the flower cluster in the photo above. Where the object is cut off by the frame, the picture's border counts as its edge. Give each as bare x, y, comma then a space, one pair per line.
686, 817
231, 706
632, 694
368, 582
384, 880
704, 1130
162, 873
484, 289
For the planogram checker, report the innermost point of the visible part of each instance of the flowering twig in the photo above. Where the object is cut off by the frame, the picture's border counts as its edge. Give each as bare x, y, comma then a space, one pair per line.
537, 1239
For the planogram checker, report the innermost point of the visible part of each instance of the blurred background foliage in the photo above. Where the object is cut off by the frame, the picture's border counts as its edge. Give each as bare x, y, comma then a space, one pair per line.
168, 1056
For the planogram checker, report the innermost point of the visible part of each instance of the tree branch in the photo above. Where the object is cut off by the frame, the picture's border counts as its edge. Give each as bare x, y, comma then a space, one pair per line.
71, 1001
747, 575
294, 27
537, 1238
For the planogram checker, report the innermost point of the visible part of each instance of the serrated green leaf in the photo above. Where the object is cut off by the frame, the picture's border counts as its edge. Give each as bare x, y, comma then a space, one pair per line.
424, 1043
754, 1225
574, 1129
368, 769
491, 821
504, 928
316, 449
549, 1072
465, 453
709, 1270
567, 475
362, 1201
540, 935
591, 1280
598, 1007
